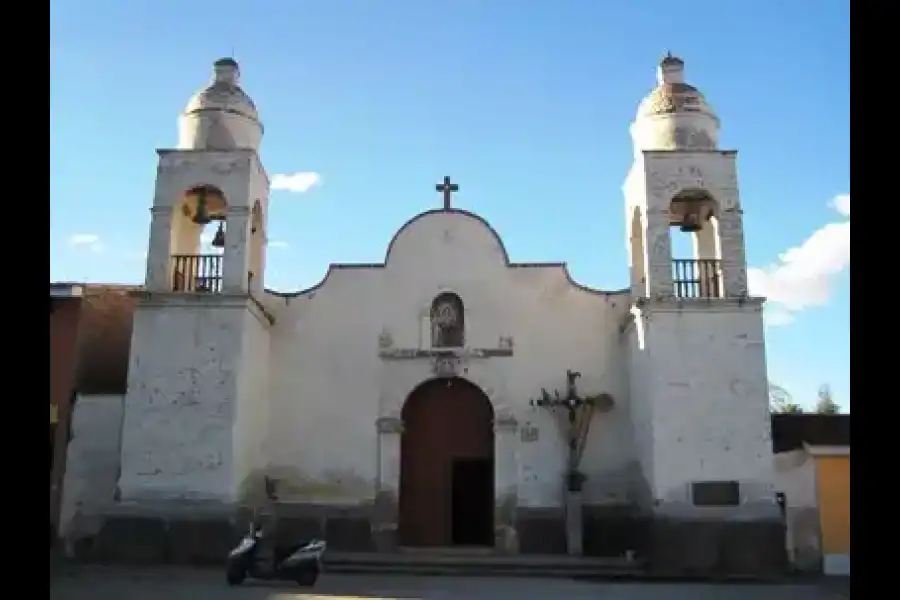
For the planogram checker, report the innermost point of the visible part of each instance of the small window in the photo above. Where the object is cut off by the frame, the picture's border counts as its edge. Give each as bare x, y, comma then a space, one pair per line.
447, 322
716, 493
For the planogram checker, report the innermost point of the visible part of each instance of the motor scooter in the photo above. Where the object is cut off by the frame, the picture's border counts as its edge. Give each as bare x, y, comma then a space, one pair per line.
300, 562
256, 557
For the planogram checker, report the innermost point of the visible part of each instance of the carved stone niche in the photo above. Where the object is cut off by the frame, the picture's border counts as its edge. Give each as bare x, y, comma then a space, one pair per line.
505, 421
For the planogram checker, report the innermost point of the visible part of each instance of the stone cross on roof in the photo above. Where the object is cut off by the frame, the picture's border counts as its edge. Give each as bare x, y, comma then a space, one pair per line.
447, 189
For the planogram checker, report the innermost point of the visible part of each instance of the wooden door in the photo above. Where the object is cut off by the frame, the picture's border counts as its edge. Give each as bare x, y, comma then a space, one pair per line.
443, 420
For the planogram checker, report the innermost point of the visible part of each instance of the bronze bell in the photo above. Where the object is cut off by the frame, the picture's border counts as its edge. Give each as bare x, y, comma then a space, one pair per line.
218, 240
201, 217
690, 223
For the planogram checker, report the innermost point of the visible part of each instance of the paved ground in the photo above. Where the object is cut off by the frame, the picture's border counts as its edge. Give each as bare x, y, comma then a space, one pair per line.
95, 583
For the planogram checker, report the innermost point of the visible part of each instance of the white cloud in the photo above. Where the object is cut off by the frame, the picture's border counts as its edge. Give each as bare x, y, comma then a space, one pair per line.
841, 204
278, 244
206, 246
299, 182
777, 317
91, 241
802, 276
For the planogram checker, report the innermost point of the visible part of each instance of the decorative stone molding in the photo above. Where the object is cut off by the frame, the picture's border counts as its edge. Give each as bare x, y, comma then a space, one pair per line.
221, 161
446, 366
704, 305
505, 421
389, 425
461, 353
385, 339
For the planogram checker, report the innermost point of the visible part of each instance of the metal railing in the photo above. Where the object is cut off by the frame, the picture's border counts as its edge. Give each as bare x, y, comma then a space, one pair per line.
697, 278
200, 273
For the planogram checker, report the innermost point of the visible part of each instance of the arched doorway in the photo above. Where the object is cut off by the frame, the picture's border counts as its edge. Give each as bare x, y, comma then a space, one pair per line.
447, 466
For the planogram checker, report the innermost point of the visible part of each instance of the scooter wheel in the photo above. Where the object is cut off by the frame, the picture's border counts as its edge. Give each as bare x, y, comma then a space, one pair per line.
308, 578
235, 576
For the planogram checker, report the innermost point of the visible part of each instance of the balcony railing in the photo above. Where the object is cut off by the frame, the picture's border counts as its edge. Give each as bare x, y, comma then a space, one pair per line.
697, 278
201, 273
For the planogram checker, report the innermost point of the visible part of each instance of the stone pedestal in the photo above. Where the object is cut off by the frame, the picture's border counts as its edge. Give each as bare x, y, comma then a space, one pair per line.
574, 523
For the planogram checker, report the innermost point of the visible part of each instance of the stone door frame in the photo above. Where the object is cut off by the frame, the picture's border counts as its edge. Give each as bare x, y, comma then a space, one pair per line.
400, 378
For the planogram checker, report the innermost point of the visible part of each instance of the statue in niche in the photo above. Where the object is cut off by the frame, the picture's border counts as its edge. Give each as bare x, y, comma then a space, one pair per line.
447, 322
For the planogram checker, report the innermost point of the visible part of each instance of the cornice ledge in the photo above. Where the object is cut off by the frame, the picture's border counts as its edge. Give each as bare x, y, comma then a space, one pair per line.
671, 304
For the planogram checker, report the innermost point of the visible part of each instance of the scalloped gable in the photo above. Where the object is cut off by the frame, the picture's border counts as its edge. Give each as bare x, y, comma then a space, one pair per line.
424, 230
445, 234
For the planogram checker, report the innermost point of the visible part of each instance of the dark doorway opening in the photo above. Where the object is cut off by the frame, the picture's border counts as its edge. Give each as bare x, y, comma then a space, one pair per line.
473, 502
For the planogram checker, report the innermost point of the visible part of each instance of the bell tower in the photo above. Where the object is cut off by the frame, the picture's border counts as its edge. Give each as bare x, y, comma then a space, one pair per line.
195, 411
697, 350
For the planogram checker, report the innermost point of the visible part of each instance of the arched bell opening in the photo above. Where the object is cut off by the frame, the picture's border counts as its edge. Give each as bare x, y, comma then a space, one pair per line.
696, 245
198, 240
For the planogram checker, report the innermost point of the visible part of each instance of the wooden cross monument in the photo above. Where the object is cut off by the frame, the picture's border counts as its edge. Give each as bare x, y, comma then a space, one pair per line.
447, 189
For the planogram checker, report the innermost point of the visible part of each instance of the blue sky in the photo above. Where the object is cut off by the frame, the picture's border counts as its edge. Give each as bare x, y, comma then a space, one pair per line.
526, 104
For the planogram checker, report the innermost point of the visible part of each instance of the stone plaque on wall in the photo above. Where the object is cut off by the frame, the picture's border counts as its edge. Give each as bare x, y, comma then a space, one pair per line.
716, 493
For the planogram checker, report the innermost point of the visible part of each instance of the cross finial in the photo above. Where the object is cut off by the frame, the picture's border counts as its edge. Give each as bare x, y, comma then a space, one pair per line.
447, 189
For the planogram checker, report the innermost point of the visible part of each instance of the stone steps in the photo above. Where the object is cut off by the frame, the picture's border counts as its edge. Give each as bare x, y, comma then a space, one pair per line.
481, 564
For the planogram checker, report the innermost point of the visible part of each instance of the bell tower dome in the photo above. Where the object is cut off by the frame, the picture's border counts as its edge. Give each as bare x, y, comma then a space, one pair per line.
221, 116
675, 115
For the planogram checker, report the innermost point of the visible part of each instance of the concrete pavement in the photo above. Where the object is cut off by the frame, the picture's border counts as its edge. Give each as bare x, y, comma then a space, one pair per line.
108, 583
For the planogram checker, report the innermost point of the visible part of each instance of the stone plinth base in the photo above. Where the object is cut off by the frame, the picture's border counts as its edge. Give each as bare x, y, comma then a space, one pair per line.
345, 528
671, 546
574, 523
182, 536
680, 547
612, 531
170, 532
158, 540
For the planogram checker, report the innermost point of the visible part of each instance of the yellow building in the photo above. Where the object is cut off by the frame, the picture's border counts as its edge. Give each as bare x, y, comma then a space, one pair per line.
812, 463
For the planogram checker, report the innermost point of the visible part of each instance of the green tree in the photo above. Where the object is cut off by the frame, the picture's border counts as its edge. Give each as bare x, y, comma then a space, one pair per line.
780, 400
826, 405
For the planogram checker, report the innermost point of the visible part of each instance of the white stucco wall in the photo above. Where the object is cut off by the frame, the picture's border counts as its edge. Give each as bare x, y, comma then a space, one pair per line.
251, 422
181, 405
92, 462
795, 477
704, 370
329, 385
639, 363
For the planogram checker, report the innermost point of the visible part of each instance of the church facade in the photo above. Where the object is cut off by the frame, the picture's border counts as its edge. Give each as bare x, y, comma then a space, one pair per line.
448, 395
